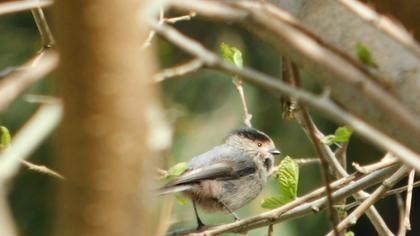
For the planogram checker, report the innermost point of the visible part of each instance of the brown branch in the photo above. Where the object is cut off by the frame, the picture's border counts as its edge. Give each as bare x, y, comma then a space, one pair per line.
291, 75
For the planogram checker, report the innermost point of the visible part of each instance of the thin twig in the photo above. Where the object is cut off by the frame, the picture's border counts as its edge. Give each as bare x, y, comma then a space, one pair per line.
162, 20
17, 6
270, 230
16, 82
387, 194
247, 116
400, 205
41, 169
408, 200
31, 135
179, 70
372, 199
387, 160
42, 25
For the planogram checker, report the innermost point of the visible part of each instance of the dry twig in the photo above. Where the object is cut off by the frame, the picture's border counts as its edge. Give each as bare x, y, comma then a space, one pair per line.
179, 70
372, 199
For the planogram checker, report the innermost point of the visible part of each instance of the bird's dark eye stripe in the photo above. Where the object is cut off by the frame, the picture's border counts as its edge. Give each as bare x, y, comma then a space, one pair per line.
267, 164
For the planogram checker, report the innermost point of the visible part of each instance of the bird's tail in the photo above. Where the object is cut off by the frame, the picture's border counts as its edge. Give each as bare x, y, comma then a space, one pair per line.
172, 189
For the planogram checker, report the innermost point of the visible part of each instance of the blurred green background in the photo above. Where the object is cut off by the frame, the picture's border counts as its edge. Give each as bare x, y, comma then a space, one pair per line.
202, 108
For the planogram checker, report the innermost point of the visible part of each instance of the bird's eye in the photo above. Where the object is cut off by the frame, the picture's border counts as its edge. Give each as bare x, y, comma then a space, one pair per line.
259, 144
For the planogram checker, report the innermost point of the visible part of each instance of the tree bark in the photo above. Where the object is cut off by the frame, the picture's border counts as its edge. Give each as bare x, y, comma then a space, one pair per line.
104, 83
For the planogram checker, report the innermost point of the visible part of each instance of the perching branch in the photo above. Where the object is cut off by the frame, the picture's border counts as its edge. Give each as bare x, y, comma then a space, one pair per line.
301, 206
374, 197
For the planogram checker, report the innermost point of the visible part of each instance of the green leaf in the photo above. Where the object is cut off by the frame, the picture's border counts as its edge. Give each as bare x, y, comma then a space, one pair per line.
231, 54
5, 138
350, 233
342, 134
364, 55
288, 178
274, 202
176, 170
181, 200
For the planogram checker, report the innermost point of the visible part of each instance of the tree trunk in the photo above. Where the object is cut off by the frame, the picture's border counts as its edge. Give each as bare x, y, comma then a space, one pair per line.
104, 85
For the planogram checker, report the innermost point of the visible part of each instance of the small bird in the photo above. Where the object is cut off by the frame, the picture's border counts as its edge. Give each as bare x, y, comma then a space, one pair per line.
228, 176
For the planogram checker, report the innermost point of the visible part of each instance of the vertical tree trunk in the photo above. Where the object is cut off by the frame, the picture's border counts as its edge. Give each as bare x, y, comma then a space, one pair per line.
104, 84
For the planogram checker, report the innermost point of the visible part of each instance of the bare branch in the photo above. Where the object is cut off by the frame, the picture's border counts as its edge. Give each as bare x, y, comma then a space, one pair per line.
179, 70
247, 116
400, 205
298, 207
408, 200
24, 5
374, 197
16, 82
42, 25
162, 19
41, 169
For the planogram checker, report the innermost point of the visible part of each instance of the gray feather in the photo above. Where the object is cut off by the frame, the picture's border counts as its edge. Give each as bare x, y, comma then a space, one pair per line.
221, 162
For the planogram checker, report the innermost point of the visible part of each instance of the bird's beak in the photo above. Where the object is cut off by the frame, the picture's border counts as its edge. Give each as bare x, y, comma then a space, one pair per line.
274, 151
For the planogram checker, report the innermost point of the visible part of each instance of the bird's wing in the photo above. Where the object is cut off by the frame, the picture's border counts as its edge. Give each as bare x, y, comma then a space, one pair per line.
220, 162
214, 171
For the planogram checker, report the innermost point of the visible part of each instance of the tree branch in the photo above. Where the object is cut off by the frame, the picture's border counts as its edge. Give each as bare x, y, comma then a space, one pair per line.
42, 25
24, 5
372, 199
33, 70
179, 70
